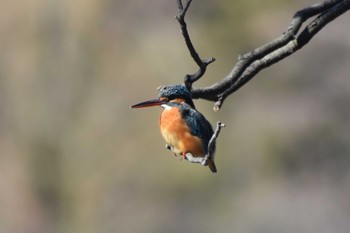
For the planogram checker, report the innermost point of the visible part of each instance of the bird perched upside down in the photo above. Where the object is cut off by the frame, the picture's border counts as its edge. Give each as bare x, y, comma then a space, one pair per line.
184, 129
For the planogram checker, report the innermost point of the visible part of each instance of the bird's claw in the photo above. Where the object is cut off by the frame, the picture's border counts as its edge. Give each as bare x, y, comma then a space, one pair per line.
167, 146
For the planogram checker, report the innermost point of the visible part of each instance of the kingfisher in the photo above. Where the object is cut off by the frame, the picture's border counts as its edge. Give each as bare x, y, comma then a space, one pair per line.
185, 130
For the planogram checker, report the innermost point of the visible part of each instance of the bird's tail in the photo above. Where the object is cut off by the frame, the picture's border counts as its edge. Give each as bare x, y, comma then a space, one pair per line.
212, 166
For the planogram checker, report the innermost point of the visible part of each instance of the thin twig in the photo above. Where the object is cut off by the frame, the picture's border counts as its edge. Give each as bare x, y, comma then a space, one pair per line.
212, 143
202, 63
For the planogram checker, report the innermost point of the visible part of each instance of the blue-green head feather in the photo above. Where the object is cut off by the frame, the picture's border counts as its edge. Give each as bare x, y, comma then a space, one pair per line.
176, 91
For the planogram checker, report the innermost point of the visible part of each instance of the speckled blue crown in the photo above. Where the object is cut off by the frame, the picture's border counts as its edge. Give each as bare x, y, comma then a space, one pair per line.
174, 91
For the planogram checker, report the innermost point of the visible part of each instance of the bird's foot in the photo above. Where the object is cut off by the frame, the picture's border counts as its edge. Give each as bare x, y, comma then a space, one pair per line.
167, 146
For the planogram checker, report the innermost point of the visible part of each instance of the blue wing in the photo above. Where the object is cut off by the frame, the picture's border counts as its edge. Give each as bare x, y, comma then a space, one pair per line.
198, 124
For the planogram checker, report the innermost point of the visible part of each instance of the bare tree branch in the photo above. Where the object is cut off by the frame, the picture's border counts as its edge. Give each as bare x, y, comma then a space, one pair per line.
254, 61
202, 63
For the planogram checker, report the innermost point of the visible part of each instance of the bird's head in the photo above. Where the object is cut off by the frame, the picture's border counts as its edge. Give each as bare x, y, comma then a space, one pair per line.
167, 94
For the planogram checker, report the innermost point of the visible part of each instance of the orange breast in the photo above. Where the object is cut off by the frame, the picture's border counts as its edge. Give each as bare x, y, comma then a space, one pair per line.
177, 134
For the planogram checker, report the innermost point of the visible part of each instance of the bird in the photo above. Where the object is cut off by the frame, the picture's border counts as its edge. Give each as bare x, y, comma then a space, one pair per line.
184, 129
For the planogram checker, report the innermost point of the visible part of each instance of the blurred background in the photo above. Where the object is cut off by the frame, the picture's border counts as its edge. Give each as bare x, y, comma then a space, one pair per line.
75, 158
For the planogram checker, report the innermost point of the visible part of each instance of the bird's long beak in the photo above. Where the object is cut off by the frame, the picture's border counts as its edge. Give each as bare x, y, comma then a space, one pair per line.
149, 103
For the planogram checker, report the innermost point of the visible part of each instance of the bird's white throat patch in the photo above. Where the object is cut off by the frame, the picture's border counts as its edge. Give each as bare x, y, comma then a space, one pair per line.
166, 107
